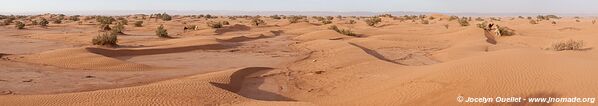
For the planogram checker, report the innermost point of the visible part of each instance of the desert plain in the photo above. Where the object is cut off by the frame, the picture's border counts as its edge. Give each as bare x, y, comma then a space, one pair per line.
428, 59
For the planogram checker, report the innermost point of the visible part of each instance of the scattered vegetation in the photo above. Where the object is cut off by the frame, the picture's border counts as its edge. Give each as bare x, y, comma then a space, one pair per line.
257, 22
20, 25
373, 21
342, 31
105, 39
161, 32
568, 45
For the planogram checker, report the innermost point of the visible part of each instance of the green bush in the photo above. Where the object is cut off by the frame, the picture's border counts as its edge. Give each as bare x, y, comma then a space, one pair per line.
138, 23
568, 45
257, 22
161, 32
105, 39
19, 25
342, 31
373, 21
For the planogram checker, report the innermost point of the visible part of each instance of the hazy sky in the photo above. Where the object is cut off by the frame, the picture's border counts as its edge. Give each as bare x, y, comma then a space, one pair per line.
477, 6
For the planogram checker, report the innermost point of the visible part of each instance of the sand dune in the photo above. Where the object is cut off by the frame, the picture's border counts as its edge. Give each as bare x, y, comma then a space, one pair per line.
305, 63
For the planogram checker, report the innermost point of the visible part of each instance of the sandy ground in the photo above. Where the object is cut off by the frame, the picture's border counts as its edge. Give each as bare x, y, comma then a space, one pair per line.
395, 63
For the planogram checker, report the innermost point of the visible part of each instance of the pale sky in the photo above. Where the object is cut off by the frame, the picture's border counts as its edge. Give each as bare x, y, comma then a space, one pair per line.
454, 6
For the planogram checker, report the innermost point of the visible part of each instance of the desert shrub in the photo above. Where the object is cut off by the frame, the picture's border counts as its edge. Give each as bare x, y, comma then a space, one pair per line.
105, 27
213, 24
257, 22
463, 22
7, 21
57, 21
326, 22
294, 19
163, 16
275, 17
342, 31
446, 26
352, 22
161, 32
105, 20
453, 18
34, 22
20, 25
577, 21
118, 28
568, 45
44, 22
373, 21
105, 39
425, 21
506, 31
138, 23
553, 22
329, 17
479, 19
521, 17
533, 22
124, 22
431, 18
74, 18
225, 23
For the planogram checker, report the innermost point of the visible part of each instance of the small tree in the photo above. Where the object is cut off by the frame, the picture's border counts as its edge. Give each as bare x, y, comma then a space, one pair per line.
138, 23
19, 25
161, 32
